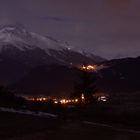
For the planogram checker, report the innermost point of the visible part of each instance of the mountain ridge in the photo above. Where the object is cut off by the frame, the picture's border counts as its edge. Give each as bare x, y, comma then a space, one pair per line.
26, 50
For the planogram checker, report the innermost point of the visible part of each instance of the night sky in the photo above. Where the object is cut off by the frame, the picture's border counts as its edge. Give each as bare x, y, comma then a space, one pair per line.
109, 28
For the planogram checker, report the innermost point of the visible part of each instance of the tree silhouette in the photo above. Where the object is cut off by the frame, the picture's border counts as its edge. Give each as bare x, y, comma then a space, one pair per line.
86, 87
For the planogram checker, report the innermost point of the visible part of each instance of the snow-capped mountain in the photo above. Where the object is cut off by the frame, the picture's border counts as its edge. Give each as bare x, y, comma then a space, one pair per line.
21, 38
21, 50
33, 49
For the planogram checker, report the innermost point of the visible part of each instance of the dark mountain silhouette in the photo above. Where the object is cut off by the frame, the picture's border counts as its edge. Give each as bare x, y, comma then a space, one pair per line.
120, 75
54, 80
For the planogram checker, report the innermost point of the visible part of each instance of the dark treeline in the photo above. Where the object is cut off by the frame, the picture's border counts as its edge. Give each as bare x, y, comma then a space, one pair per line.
9, 99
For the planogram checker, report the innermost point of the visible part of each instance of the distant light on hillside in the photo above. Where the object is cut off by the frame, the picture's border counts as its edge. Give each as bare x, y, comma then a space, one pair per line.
89, 67
102, 98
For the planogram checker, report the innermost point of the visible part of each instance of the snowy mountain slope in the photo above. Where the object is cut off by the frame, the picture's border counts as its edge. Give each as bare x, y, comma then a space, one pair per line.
16, 41
21, 38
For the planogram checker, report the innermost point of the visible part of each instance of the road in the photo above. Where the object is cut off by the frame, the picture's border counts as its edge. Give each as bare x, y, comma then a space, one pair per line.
15, 126
82, 131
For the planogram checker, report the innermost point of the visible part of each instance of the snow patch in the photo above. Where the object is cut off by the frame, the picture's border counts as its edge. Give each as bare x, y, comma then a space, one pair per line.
18, 36
28, 112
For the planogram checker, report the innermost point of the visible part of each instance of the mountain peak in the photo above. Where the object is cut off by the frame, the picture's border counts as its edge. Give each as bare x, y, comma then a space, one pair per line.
21, 38
17, 36
16, 29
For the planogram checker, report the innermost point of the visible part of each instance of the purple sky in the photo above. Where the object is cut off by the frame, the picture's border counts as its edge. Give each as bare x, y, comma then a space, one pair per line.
109, 28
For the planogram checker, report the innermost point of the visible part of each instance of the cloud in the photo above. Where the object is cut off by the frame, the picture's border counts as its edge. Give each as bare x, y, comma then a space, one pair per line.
55, 18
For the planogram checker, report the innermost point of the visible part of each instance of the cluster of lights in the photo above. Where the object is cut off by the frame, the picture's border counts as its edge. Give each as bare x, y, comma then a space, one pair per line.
66, 101
102, 98
41, 99
56, 101
88, 67
83, 96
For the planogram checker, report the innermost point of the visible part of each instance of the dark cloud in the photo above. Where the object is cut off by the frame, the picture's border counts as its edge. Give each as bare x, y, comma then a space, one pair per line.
109, 28
52, 18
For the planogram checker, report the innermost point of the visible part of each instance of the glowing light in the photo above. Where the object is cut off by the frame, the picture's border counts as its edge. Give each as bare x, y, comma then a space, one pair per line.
89, 67
44, 99
67, 101
84, 67
56, 102
70, 101
82, 97
76, 100
102, 98
63, 101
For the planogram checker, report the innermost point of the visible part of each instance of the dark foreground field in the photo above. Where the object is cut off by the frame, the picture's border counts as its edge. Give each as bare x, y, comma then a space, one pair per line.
24, 127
